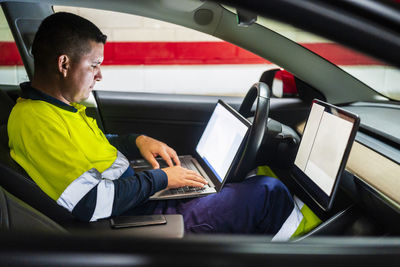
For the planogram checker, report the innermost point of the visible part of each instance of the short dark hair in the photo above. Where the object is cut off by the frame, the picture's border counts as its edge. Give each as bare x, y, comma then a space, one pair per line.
64, 33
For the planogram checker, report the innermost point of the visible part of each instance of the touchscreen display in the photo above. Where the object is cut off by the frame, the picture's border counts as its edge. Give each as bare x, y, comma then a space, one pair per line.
324, 148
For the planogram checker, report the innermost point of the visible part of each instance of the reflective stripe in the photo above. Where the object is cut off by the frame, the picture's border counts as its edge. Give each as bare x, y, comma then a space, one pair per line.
105, 190
119, 166
309, 222
251, 174
292, 222
78, 189
104, 201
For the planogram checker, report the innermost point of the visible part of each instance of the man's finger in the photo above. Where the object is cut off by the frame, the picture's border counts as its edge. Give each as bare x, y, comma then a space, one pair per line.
167, 158
195, 173
194, 183
196, 177
174, 157
150, 158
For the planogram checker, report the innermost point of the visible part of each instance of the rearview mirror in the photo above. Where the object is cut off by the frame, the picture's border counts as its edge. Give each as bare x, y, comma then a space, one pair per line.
245, 18
281, 82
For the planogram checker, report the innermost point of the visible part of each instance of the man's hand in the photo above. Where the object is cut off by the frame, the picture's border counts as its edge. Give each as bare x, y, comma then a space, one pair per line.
178, 177
151, 148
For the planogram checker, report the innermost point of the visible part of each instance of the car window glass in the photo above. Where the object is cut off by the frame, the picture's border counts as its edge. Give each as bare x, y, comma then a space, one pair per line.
380, 76
12, 71
148, 55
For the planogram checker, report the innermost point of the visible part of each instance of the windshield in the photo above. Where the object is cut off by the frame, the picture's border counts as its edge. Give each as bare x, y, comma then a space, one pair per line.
380, 76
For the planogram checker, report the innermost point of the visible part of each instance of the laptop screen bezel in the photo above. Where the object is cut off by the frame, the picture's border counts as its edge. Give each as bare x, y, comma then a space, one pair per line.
308, 185
217, 183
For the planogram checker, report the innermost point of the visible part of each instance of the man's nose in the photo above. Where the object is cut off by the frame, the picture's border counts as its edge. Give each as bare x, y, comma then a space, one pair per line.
98, 77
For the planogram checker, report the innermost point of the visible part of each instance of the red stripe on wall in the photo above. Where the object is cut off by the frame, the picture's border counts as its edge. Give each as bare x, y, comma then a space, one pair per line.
181, 53
9, 55
193, 53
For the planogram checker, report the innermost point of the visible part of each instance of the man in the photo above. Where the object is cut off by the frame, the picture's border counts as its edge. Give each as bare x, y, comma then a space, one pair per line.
73, 162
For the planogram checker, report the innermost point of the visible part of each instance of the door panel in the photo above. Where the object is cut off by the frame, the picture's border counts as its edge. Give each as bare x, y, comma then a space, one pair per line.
177, 120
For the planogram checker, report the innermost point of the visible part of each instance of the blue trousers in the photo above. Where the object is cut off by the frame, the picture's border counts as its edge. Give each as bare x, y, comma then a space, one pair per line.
258, 205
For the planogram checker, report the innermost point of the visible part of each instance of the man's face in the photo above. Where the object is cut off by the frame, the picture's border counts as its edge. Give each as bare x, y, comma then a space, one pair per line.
83, 74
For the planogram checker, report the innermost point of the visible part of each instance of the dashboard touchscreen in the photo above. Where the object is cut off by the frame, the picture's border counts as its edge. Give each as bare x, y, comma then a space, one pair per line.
324, 148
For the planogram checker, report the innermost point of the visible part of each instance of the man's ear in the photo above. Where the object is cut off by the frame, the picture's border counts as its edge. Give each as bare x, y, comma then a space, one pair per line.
64, 63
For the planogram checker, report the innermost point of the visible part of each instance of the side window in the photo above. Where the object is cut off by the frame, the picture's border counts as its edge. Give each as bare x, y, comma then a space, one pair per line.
380, 76
12, 71
147, 55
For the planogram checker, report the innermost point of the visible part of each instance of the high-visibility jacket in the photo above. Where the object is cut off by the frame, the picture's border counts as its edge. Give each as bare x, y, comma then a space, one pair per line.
71, 160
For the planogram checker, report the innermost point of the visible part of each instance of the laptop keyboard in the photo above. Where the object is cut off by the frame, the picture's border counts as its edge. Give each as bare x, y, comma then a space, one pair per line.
185, 163
187, 189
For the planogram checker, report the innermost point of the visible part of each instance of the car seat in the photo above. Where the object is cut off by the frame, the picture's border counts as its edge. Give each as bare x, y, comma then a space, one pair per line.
13, 177
6, 104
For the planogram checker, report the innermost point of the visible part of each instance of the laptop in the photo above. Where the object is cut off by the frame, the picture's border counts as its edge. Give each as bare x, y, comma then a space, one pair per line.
323, 151
215, 157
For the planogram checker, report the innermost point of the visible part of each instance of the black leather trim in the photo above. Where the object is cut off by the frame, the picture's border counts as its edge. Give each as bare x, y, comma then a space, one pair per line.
6, 105
25, 189
23, 218
4, 221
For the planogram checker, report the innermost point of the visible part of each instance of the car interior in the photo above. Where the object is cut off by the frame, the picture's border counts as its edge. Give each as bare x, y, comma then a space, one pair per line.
362, 225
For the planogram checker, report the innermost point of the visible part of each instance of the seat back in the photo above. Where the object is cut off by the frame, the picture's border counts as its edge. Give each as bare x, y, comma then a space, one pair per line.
15, 180
6, 105
28, 191
15, 215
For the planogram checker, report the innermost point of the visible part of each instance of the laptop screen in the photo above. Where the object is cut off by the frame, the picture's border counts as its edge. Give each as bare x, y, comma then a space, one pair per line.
323, 150
221, 140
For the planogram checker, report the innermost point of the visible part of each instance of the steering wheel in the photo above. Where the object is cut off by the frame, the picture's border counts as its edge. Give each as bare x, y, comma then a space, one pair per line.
260, 93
